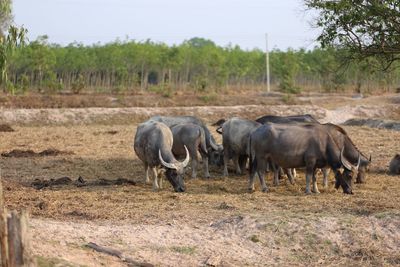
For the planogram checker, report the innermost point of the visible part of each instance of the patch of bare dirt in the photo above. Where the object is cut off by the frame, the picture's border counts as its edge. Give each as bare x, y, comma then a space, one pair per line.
112, 116
19, 153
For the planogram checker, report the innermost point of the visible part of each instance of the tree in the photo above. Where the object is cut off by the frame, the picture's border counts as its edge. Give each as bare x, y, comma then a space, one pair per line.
366, 28
8, 41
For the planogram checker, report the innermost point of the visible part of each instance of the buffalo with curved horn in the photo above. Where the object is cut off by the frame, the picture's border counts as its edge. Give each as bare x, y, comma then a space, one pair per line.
153, 145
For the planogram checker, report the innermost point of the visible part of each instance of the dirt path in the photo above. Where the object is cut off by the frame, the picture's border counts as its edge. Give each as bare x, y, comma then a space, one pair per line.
138, 114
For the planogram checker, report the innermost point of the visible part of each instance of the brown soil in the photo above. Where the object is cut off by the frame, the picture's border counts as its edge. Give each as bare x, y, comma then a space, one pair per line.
215, 222
245, 96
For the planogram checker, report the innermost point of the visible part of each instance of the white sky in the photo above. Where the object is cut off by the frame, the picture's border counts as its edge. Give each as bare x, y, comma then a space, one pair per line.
170, 21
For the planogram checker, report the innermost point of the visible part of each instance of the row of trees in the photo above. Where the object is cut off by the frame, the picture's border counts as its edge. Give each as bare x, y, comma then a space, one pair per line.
195, 64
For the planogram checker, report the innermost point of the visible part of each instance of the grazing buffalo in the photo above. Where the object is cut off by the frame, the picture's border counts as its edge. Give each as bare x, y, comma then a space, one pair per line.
192, 136
394, 166
153, 146
292, 119
297, 146
338, 133
235, 139
214, 150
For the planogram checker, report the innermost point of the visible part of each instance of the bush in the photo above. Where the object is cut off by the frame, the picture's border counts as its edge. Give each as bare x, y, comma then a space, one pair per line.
78, 84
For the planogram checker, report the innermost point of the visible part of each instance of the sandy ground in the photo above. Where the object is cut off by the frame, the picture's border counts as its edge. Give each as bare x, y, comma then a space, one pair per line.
216, 222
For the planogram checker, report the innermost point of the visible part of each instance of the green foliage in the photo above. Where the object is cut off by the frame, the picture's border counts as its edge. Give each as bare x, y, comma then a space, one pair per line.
287, 65
78, 85
197, 64
368, 28
8, 43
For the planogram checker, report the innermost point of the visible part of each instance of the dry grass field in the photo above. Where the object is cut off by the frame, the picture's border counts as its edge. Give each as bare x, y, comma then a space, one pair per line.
216, 222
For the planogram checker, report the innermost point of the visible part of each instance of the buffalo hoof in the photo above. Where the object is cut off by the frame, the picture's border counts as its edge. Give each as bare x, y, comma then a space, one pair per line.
265, 190
251, 190
308, 192
316, 192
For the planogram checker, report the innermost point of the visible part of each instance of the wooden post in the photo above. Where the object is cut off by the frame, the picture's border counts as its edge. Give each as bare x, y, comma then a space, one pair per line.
3, 229
14, 237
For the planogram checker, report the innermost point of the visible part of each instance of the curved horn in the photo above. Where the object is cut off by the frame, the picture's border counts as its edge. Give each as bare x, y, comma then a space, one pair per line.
344, 161
166, 164
186, 161
213, 146
347, 164
359, 161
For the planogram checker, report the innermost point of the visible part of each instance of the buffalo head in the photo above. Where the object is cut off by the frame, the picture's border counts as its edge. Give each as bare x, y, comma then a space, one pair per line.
345, 178
175, 171
362, 171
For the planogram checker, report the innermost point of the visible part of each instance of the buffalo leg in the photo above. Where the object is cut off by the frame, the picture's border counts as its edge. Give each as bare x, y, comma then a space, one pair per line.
194, 168
146, 170
242, 163
261, 176
276, 169
308, 179
155, 179
315, 186
204, 158
251, 180
226, 159
289, 173
325, 173
236, 163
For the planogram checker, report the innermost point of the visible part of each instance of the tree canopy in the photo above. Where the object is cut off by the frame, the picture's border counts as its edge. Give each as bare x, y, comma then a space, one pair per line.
366, 28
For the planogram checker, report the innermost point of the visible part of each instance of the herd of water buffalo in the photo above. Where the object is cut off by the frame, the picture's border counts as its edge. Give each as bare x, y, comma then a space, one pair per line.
275, 143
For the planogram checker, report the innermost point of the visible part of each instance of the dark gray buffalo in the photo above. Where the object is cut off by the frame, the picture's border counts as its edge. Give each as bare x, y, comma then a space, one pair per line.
153, 146
192, 136
214, 150
292, 119
339, 134
235, 139
297, 146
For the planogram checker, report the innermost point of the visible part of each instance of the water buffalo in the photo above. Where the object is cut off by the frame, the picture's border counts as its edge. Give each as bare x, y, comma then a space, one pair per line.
153, 145
235, 135
297, 146
214, 150
292, 119
394, 165
192, 136
338, 133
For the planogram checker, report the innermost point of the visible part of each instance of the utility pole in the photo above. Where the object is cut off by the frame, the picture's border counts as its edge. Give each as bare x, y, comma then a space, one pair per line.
267, 62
